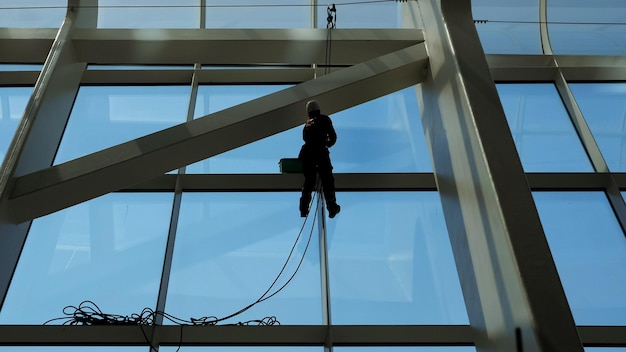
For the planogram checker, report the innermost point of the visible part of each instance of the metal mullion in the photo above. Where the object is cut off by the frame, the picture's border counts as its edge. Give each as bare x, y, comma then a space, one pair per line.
326, 317
543, 27
203, 14
589, 143
178, 191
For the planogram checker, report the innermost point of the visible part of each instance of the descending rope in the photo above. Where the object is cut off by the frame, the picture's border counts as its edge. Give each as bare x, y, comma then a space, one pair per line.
330, 25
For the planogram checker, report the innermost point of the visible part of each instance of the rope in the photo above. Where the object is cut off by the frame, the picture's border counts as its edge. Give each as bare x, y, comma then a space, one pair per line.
331, 24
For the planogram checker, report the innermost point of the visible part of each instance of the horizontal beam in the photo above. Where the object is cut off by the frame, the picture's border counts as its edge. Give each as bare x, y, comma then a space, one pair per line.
518, 68
292, 335
210, 46
287, 182
532, 68
347, 182
28, 45
151, 156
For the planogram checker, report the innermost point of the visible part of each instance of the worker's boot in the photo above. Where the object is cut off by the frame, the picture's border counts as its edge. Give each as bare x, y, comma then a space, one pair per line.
304, 205
333, 209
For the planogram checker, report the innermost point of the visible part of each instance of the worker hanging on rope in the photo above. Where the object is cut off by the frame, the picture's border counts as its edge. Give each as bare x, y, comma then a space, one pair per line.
319, 135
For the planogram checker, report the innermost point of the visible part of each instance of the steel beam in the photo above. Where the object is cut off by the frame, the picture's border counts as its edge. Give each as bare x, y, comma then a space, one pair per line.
112, 169
303, 46
285, 335
510, 284
37, 138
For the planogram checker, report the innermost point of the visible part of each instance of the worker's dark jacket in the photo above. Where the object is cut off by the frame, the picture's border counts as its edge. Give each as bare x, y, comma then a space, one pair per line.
318, 135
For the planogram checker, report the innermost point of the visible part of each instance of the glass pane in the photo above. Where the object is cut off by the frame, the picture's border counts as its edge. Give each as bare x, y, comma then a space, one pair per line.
32, 13
139, 67
390, 261
106, 116
73, 348
245, 349
13, 101
589, 250
108, 250
362, 14
149, 14
406, 349
230, 248
258, 14
512, 27
543, 131
259, 157
20, 67
581, 27
603, 106
382, 135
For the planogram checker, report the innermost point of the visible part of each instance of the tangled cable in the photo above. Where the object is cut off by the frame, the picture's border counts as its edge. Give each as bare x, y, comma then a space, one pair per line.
88, 313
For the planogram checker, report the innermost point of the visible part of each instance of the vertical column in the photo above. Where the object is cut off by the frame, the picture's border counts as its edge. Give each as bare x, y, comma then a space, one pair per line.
593, 150
39, 133
512, 291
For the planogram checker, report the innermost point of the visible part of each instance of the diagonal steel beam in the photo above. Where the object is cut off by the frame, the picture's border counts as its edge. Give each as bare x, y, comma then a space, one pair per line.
142, 159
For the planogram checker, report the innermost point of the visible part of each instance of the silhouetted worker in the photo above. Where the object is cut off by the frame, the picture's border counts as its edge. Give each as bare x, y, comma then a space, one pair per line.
319, 135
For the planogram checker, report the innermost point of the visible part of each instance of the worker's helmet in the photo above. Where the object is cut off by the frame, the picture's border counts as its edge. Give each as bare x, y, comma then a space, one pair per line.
311, 106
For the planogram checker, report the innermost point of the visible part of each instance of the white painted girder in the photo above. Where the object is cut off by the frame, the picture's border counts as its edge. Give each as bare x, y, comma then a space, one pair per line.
145, 158
304, 46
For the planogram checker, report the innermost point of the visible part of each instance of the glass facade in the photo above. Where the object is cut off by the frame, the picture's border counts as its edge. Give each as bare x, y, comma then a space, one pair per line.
542, 130
220, 242
108, 251
603, 105
105, 116
583, 225
581, 28
390, 262
224, 262
510, 29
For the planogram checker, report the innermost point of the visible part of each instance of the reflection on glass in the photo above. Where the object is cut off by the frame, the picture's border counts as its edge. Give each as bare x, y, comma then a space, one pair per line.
152, 14
512, 27
230, 248
581, 27
106, 116
390, 261
258, 14
603, 106
13, 101
108, 250
382, 135
362, 14
542, 130
32, 13
589, 250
